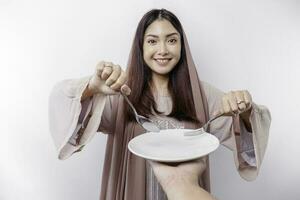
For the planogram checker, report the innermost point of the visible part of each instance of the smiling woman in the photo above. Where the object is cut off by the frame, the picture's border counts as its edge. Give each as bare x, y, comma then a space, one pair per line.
162, 68
163, 84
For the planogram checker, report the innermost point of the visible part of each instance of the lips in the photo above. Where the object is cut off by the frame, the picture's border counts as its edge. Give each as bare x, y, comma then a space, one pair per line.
162, 61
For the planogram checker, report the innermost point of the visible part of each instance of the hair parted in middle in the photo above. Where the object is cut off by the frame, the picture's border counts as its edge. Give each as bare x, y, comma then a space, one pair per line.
139, 74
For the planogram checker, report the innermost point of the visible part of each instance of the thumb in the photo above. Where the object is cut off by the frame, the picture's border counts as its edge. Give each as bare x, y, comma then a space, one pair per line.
125, 90
222, 112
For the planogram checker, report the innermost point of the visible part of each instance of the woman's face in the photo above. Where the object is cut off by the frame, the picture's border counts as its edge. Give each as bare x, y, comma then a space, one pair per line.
161, 47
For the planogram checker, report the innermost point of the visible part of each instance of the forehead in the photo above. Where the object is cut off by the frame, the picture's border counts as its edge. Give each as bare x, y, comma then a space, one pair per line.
160, 28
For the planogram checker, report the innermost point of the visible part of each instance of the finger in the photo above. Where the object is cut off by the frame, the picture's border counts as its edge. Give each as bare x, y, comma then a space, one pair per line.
194, 167
106, 72
239, 96
196, 162
99, 68
152, 163
125, 89
109, 67
232, 102
202, 165
202, 160
119, 82
114, 75
225, 105
219, 111
155, 164
247, 98
108, 64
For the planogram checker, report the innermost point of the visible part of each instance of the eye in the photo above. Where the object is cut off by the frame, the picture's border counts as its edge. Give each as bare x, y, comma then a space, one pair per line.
172, 41
151, 41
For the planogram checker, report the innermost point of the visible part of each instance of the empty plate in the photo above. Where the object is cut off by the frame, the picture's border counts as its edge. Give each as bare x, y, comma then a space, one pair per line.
171, 145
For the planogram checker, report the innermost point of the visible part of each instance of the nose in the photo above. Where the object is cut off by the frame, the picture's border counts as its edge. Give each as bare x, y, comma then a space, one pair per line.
163, 50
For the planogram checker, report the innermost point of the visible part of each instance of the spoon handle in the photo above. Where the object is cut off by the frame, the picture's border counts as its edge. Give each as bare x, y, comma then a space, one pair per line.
201, 130
131, 106
212, 119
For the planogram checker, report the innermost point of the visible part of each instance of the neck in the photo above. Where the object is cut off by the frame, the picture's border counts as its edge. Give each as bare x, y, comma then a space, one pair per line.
160, 84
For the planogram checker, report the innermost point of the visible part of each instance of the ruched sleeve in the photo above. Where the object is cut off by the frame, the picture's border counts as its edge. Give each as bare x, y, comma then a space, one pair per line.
248, 147
69, 117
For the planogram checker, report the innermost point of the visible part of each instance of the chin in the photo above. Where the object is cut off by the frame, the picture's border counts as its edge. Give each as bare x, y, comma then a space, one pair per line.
162, 71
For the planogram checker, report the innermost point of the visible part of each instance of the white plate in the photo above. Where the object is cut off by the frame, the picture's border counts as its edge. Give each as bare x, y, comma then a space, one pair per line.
171, 145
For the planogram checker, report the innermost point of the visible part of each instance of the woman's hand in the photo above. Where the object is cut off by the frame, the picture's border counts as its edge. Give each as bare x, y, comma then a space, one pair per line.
172, 177
109, 79
236, 102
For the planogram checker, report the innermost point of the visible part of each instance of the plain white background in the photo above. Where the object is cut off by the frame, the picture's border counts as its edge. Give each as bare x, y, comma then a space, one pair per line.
236, 44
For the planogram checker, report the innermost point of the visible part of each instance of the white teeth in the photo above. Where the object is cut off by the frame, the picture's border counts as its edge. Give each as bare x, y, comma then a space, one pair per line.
162, 61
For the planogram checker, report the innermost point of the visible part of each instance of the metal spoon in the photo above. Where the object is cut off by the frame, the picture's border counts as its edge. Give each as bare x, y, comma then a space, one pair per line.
146, 123
203, 128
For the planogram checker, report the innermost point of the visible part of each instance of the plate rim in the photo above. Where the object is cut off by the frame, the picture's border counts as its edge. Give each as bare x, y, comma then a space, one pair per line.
171, 159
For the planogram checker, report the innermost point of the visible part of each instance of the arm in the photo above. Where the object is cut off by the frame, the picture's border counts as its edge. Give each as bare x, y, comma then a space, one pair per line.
188, 192
245, 135
181, 181
76, 107
65, 111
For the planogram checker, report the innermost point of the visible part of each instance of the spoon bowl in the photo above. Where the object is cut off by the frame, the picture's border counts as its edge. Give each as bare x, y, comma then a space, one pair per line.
145, 122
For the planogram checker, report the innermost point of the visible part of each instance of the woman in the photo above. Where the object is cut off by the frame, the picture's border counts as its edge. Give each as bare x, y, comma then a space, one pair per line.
162, 83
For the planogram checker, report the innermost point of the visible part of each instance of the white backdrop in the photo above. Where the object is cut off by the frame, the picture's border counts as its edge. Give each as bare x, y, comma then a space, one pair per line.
236, 44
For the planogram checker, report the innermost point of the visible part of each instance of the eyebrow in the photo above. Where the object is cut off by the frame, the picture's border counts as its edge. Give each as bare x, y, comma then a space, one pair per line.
157, 36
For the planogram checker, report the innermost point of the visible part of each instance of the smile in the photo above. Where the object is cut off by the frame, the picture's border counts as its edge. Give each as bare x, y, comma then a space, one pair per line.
163, 61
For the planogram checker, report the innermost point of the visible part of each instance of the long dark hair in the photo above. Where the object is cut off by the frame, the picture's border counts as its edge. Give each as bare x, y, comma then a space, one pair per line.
139, 75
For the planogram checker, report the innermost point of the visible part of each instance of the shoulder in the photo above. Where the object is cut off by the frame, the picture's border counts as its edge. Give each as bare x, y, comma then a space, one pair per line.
213, 96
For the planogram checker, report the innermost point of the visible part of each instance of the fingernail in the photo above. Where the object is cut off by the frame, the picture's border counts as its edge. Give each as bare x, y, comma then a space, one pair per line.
123, 91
